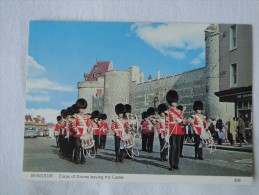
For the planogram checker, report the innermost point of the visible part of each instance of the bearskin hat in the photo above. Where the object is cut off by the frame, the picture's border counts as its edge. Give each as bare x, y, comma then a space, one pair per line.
180, 108
151, 111
81, 103
59, 118
161, 108
103, 116
128, 108
197, 105
120, 109
144, 115
70, 111
63, 113
172, 96
75, 108
95, 114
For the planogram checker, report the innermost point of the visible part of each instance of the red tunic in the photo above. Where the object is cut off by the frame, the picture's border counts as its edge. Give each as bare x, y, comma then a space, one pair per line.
79, 125
117, 127
173, 123
144, 128
161, 127
95, 128
104, 129
198, 123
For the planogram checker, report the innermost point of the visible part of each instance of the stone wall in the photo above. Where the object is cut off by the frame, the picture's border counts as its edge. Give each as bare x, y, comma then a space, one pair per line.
189, 85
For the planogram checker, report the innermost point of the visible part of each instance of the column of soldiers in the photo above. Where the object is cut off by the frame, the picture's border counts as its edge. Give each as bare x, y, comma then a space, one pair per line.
73, 124
170, 127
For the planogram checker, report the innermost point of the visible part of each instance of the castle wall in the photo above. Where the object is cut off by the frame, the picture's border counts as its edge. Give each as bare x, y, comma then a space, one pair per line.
189, 85
88, 89
116, 90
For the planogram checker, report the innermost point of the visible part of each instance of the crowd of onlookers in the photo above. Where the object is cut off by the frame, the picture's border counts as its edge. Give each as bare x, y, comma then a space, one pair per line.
232, 131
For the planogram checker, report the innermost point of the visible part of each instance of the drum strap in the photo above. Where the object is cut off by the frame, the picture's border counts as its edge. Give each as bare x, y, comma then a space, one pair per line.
120, 124
84, 125
202, 127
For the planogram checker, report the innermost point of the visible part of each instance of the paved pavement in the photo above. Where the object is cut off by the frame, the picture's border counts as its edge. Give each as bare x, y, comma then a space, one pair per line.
41, 155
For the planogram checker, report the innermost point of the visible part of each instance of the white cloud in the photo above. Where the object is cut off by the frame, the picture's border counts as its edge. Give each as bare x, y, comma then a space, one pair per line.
198, 59
37, 85
50, 115
34, 68
35, 98
171, 36
195, 61
45, 84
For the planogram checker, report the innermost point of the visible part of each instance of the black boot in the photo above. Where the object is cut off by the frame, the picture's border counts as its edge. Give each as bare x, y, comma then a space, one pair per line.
122, 156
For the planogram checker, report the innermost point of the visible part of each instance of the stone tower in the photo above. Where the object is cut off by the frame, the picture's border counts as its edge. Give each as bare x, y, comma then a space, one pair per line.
211, 75
116, 90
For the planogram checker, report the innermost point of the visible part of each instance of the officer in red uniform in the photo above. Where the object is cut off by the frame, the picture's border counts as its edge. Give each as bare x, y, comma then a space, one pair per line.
119, 127
184, 124
57, 129
175, 129
151, 128
82, 125
144, 130
161, 130
95, 128
103, 131
63, 132
198, 123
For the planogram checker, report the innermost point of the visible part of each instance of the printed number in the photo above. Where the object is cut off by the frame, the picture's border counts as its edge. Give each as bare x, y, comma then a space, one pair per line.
237, 180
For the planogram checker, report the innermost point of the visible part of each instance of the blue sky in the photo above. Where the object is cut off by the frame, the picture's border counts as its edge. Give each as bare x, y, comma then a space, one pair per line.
61, 52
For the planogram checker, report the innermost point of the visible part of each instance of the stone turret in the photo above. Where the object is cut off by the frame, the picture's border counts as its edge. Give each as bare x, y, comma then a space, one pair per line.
116, 90
212, 104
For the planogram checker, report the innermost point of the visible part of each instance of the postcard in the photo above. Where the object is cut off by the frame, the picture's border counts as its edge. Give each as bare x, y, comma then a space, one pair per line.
139, 102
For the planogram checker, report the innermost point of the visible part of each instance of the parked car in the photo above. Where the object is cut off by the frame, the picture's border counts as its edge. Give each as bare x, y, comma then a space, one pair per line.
30, 132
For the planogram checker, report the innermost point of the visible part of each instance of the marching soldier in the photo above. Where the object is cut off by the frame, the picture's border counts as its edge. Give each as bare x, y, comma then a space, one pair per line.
198, 123
57, 129
63, 132
81, 126
175, 118
151, 128
161, 130
69, 138
183, 128
118, 127
103, 131
144, 130
95, 124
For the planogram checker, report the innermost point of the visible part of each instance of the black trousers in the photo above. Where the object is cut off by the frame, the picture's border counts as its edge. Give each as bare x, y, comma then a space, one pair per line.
57, 140
144, 141
78, 150
181, 144
102, 141
118, 152
197, 149
164, 153
174, 151
150, 142
71, 146
96, 142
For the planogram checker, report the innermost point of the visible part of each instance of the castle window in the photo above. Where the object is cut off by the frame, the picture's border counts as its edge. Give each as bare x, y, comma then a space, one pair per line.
233, 75
233, 37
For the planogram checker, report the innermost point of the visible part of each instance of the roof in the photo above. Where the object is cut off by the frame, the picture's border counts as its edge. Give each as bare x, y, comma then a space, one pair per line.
98, 70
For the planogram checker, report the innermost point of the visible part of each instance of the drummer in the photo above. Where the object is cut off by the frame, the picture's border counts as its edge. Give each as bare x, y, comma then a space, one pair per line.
118, 127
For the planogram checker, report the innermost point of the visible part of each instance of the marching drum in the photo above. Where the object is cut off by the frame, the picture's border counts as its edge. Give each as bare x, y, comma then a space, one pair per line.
127, 140
87, 141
